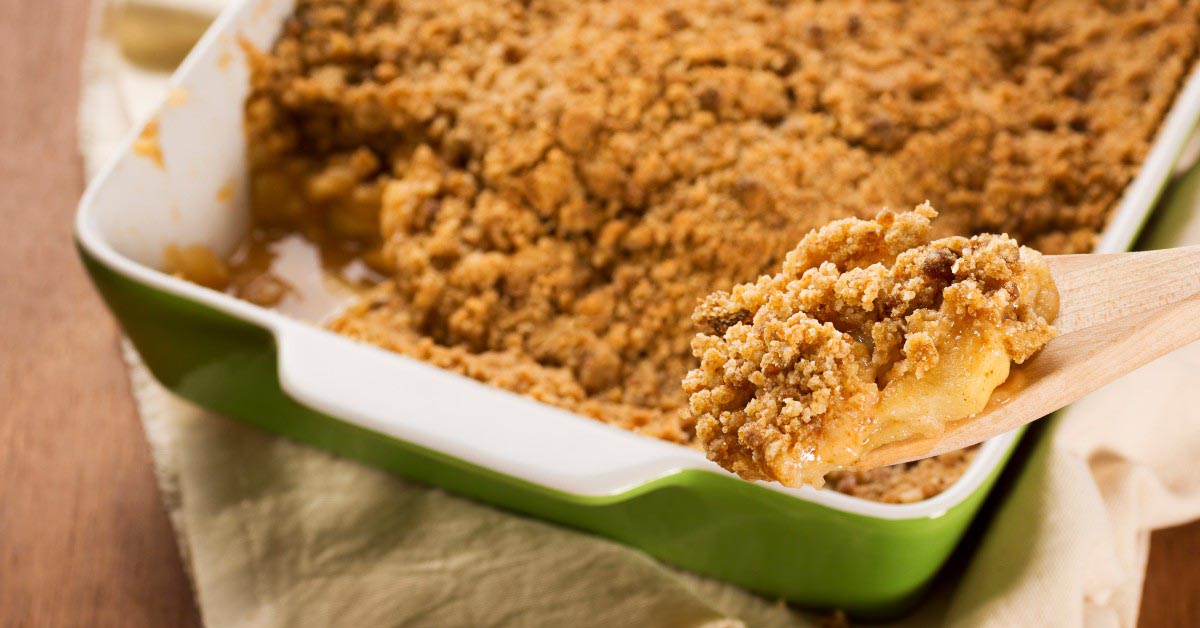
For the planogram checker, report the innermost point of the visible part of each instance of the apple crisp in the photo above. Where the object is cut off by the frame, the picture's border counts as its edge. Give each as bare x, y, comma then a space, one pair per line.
549, 186
869, 334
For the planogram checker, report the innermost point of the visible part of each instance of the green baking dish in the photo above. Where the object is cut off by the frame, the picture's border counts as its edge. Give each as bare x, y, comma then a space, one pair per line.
816, 548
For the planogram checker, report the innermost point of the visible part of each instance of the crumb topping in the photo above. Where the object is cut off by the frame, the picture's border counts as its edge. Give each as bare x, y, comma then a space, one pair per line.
869, 334
551, 185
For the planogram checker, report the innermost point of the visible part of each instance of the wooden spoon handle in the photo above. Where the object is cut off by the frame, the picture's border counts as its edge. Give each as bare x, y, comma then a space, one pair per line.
1097, 289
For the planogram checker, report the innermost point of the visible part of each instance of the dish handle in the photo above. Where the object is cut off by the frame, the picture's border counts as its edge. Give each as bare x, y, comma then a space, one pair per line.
481, 425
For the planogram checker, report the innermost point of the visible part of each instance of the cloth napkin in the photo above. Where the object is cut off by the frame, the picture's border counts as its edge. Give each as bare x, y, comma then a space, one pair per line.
278, 534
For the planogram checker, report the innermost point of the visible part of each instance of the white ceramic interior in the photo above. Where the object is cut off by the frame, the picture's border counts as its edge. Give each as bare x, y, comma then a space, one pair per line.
134, 208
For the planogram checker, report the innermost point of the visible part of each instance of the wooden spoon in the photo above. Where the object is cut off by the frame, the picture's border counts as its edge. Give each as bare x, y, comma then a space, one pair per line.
1116, 313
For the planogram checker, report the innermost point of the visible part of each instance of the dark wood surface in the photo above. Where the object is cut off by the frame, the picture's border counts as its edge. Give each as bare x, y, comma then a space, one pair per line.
84, 540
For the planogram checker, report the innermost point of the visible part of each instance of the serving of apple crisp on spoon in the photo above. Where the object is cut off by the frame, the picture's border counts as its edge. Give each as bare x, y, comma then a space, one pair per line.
874, 345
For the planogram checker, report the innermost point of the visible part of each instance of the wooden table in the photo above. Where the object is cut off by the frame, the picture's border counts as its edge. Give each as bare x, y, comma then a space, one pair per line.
84, 540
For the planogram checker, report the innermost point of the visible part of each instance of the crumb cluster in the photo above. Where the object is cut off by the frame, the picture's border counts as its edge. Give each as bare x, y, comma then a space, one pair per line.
905, 483
869, 333
551, 185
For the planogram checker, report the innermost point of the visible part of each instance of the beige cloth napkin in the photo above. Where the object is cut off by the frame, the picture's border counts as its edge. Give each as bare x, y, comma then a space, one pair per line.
278, 534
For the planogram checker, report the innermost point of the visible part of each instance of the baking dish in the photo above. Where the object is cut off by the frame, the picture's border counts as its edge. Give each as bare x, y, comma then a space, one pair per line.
818, 548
